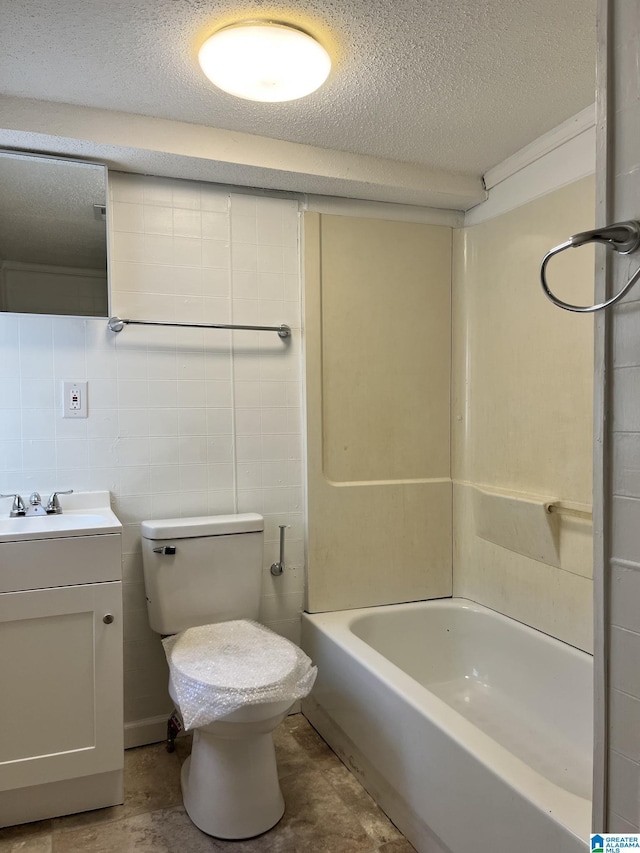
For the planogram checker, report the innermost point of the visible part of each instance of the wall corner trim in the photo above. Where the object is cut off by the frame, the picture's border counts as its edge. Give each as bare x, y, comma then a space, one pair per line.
571, 160
555, 138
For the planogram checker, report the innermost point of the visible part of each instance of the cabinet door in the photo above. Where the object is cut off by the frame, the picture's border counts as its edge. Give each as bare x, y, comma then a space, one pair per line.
61, 683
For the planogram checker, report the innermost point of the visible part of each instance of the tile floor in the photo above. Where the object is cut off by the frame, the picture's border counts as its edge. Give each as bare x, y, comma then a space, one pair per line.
327, 809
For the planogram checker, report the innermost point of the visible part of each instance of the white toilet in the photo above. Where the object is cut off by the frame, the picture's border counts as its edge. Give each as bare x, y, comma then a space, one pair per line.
232, 680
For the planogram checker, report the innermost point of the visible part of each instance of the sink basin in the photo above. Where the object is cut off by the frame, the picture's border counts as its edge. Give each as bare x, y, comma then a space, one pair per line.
69, 549
74, 522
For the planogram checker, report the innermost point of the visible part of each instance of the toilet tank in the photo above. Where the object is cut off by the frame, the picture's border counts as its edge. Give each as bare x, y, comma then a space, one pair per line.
202, 570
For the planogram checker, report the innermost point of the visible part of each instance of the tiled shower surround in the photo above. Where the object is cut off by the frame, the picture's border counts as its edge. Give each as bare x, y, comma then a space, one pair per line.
181, 421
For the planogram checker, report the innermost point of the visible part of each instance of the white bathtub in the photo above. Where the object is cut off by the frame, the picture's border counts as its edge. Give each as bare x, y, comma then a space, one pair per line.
472, 731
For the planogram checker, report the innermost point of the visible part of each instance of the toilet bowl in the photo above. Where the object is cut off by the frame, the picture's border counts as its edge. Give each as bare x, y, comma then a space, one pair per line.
230, 785
233, 683
232, 680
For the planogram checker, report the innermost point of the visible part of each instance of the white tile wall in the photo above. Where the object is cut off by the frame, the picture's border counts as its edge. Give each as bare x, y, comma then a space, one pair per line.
181, 421
624, 431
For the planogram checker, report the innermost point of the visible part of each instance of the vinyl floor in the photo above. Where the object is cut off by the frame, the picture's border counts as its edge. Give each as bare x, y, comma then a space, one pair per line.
327, 810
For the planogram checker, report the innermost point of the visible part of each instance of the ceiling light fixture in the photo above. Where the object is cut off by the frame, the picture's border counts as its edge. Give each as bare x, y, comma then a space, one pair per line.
264, 61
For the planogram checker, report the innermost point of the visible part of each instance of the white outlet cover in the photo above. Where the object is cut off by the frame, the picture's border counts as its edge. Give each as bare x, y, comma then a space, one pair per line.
74, 399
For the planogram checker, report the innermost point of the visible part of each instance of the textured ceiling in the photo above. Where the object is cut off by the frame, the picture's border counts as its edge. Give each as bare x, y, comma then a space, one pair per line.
454, 84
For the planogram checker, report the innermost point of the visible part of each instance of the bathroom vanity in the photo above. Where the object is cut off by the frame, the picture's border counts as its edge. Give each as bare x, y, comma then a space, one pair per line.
61, 738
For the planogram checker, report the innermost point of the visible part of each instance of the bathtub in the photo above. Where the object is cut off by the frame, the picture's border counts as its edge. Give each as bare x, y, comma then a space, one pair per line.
472, 731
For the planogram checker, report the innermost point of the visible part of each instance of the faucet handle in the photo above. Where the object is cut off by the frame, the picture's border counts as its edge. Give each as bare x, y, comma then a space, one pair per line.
53, 504
18, 507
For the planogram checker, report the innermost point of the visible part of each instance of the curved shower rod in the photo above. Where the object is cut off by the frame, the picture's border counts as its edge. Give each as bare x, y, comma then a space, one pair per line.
622, 237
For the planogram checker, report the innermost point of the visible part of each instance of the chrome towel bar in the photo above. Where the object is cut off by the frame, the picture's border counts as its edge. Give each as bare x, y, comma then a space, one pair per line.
116, 324
622, 237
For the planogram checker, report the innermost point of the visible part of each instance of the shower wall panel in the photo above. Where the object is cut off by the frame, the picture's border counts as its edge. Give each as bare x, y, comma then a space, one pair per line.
378, 325
522, 409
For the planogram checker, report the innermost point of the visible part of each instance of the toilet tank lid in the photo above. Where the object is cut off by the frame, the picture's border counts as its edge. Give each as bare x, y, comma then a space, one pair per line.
204, 525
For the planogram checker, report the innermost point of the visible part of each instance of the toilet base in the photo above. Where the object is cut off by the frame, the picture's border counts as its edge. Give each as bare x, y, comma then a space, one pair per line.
230, 786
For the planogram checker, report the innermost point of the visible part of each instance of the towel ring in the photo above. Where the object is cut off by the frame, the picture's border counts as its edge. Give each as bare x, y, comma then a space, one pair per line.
622, 237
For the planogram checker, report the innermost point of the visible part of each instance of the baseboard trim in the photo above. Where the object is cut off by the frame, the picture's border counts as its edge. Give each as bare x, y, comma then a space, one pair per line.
148, 730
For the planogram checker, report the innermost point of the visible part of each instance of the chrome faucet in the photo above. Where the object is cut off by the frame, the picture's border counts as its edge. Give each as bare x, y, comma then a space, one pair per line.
53, 504
35, 505
18, 508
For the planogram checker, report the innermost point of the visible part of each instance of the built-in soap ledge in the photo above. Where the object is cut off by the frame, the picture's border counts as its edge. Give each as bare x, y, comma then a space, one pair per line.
518, 522
533, 525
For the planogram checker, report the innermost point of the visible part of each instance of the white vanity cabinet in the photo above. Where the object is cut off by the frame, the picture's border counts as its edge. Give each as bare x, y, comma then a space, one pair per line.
61, 738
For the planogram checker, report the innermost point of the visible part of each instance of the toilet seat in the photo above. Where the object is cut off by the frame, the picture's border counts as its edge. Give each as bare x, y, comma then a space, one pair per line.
217, 669
230, 655
251, 716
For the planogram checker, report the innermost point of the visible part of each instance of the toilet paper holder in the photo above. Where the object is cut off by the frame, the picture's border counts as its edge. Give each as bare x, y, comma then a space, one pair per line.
278, 568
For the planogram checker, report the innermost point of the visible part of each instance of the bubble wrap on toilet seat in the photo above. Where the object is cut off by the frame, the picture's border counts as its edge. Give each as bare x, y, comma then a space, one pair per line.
216, 669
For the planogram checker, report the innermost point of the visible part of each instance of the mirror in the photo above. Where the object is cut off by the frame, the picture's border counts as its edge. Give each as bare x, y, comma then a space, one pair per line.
53, 236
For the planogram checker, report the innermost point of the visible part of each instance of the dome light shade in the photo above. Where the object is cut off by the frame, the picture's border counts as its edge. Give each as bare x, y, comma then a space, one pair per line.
264, 61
